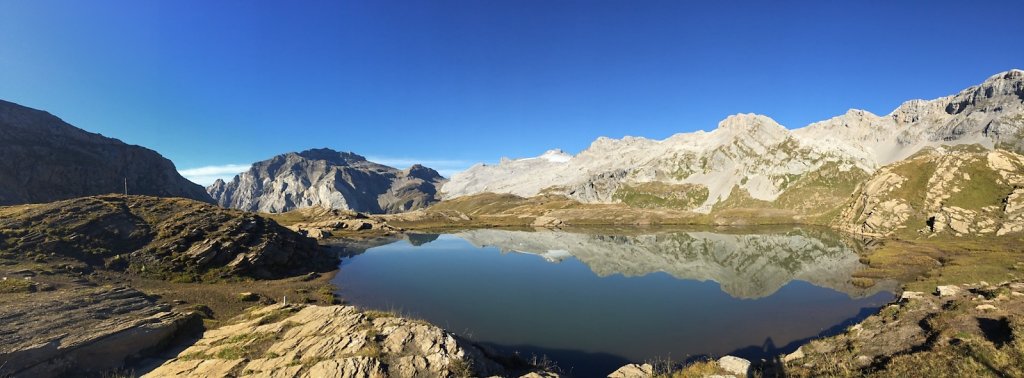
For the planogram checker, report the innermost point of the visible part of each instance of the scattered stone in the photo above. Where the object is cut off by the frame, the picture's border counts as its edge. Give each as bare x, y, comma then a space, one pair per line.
633, 371
947, 291
248, 297
546, 221
544, 374
734, 365
796, 355
908, 295
985, 307
862, 361
318, 233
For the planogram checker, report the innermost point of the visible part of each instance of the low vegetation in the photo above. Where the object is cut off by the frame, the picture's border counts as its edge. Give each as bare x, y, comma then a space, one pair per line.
11, 286
925, 263
662, 195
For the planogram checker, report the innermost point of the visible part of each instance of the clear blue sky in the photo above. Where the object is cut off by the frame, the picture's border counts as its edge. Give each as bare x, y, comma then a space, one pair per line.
209, 83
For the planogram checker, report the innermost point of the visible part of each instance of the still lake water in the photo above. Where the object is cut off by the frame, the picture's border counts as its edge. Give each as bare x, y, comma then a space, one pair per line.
592, 302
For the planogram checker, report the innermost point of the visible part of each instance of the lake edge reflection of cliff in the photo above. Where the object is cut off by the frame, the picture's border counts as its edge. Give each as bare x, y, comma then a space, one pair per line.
745, 265
593, 300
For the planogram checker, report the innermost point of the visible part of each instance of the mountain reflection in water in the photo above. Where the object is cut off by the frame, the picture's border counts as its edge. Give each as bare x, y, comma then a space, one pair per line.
624, 295
745, 265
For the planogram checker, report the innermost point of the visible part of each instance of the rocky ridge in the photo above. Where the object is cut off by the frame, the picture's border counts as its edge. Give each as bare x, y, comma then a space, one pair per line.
169, 238
328, 179
45, 159
320, 223
755, 155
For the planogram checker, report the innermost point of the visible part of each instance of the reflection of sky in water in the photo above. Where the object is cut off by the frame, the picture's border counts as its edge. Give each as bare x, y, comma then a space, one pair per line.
652, 296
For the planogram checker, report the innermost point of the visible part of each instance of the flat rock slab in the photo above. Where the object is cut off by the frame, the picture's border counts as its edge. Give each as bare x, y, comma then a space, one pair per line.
319, 341
82, 330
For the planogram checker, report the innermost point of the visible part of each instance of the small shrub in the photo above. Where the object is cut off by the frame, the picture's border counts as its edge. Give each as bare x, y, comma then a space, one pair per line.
862, 282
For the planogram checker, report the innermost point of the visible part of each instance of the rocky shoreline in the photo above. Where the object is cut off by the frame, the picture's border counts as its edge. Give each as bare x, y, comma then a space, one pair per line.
65, 311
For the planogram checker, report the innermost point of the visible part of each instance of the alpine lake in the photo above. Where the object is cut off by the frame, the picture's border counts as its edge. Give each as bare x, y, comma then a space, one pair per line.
588, 302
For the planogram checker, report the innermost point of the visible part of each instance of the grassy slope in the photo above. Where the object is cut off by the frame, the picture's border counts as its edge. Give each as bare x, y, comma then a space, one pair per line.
661, 195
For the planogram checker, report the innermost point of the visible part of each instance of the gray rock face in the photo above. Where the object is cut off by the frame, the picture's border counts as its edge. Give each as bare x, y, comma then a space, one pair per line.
756, 154
82, 331
329, 179
44, 159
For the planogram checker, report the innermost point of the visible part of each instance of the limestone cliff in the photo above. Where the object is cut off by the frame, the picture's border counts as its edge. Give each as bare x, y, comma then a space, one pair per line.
328, 179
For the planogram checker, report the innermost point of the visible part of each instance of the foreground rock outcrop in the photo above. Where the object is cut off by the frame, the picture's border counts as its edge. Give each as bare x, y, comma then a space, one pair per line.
328, 179
960, 191
753, 157
45, 159
168, 238
83, 331
328, 341
970, 330
320, 223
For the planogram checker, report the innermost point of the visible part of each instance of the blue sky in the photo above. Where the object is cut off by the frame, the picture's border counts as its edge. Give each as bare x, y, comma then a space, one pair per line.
220, 84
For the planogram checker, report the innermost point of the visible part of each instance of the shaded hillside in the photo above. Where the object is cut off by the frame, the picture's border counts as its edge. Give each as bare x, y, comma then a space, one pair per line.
169, 238
328, 179
44, 159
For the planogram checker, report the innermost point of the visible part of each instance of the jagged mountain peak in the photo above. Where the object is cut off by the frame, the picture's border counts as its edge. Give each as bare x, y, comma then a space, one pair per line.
422, 172
330, 179
747, 121
1012, 74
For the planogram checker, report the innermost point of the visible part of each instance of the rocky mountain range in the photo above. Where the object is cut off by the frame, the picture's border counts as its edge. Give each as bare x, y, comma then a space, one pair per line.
751, 159
328, 179
45, 159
